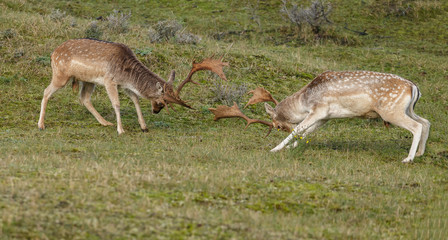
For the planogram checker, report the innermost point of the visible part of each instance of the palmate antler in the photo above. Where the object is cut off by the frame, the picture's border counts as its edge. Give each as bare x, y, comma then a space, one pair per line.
173, 96
234, 112
212, 64
260, 95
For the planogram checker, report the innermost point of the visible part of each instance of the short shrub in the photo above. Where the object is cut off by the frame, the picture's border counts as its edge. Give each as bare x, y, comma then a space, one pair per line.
168, 29
93, 31
314, 16
187, 38
171, 29
118, 22
227, 94
154, 35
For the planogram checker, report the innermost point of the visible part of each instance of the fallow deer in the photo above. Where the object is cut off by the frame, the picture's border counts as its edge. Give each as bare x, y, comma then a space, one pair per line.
352, 94
112, 65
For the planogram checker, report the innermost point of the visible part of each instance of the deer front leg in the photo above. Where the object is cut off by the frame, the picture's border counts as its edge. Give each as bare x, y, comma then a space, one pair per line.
311, 129
307, 123
50, 90
112, 91
141, 120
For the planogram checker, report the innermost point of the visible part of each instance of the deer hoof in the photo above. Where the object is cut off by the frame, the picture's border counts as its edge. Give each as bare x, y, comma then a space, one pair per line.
275, 150
407, 160
144, 130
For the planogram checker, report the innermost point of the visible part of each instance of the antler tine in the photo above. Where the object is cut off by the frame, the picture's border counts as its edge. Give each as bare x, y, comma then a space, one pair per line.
260, 95
212, 64
262, 122
234, 111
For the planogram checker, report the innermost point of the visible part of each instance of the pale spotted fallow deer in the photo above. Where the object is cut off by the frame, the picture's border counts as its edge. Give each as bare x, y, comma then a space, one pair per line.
352, 94
114, 65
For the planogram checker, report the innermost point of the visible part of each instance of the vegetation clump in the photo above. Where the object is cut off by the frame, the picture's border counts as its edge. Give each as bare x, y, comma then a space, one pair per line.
57, 15
118, 22
171, 29
93, 31
8, 33
315, 16
227, 93
406, 8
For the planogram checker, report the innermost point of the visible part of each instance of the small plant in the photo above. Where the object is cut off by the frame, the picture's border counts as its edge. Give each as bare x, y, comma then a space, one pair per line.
314, 16
18, 53
44, 60
9, 79
168, 29
93, 31
5, 80
143, 52
154, 35
161, 124
227, 94
187, 38
118, 22
8, 33
57, 15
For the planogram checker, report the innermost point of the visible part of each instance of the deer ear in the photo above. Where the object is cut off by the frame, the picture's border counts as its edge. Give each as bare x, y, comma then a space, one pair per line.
270, 110
172, 76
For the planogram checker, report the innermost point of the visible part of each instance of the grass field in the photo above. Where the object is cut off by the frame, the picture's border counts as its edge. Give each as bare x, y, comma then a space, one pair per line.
192, 178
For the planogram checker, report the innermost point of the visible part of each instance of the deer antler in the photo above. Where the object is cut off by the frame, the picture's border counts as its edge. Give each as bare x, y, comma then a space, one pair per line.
260, 95
232, 112
212, 64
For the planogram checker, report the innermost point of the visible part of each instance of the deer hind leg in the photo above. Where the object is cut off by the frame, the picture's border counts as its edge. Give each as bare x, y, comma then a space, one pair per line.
308, 131
141, 120
307, 123
112, 91
401, 119
84, 97
425, 123
57, 82
425, 134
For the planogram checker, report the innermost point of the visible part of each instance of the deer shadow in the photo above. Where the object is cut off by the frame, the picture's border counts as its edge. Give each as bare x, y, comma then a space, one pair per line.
385, 149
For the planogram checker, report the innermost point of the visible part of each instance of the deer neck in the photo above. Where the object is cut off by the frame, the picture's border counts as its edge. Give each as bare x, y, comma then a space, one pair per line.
140, 80
292, 109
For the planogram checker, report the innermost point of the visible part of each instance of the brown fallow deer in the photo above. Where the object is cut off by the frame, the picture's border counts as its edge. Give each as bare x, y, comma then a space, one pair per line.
113, 65
352, 94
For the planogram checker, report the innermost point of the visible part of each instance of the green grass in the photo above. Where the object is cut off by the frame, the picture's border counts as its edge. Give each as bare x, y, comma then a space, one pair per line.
192, 178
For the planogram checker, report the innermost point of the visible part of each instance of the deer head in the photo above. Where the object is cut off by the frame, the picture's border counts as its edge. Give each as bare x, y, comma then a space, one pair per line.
169, 96
173, 96
262, 95
278, 121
